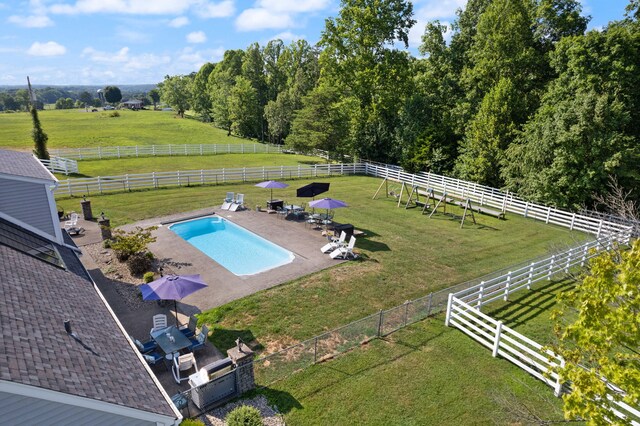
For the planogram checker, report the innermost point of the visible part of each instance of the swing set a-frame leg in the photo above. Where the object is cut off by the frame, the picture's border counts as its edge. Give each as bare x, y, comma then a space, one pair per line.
384, 182
467, 208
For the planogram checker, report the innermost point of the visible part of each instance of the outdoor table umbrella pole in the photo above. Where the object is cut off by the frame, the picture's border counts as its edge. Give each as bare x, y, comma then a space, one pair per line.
172, 287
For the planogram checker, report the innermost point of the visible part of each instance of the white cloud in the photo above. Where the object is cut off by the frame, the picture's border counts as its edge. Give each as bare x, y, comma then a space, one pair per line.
293, 6
126, 61
31, 21
132, 36
222, 9
287, 36
130, 7
50, 48
260, 19
178, 22
196, 37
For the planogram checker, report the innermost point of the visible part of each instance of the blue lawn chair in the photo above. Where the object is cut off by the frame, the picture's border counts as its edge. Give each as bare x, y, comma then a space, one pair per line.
200, 341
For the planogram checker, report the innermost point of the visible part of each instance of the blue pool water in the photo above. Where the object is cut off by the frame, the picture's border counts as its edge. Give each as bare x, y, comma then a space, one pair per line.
240, 251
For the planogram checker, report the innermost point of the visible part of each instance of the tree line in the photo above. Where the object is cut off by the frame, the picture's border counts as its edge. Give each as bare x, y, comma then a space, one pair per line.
521, 97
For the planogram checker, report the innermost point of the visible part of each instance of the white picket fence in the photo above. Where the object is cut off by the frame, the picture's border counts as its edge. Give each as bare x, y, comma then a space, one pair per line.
504, 201
103, 184
98, 153
60, 165
464, 312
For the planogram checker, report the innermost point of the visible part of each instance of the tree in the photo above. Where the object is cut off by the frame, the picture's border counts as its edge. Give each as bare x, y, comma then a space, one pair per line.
244, 109
598, 326
253, 71
322, 123
175, 92
86, 98
359, 57
200, 99
154, 95
64, 103
22, 98
112, 94
39, 136
221, 81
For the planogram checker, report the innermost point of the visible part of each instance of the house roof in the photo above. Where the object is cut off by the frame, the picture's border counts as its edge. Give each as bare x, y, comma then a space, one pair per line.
36, 298
23, 164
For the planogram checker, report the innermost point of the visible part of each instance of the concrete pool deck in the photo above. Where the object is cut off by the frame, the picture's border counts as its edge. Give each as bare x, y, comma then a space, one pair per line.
224, 286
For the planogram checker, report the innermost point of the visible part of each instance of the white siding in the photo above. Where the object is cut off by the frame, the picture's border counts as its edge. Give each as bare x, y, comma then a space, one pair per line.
28, 203
25, 410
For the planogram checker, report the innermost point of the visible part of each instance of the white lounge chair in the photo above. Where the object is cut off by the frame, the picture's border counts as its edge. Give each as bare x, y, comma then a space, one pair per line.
228, 201
238, 203
183, 363
159, 323
334, 243
345, 252
72, 222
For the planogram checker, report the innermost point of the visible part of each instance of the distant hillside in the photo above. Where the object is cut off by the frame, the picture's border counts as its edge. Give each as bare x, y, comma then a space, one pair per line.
128, 88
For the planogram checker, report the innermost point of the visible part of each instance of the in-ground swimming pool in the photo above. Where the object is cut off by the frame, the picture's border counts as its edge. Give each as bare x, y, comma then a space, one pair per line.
240, 251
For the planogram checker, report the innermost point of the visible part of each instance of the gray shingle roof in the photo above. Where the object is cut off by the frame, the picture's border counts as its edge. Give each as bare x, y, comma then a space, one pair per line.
22, 164
35, 299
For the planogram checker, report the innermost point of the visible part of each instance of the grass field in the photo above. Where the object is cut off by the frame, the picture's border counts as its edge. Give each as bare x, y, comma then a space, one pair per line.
425, 374
76, 128
93, 168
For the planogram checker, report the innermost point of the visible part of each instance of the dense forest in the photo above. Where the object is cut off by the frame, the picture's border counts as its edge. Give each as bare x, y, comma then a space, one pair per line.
515, 94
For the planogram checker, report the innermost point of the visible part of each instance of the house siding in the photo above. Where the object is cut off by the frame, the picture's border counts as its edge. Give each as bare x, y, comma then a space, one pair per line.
25, 410
28, 203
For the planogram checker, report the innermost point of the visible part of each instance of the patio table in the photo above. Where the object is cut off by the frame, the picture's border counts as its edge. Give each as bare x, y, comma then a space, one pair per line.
168, 345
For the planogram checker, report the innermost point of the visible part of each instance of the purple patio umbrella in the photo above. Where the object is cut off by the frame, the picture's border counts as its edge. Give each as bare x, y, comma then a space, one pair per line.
327, 203
272, 184
172, 287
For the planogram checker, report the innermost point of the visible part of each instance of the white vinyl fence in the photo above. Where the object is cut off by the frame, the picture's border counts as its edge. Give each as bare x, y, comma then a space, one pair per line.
60, 165
464, 313
504, 201
99, 153
129, 182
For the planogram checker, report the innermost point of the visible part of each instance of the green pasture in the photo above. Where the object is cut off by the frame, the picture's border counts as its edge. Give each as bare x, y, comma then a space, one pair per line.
111, 167
424, 374
76, 128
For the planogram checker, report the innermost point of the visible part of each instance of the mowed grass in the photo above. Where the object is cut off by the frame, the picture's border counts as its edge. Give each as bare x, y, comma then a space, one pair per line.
425, 374
405, 255
94, 168
76, 128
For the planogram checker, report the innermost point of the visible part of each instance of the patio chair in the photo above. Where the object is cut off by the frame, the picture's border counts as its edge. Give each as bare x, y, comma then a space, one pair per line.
153, 358
282, 213
345, 252
146, 346
238, 203
72, 222
228, 201
313, 221
159, 323
189, 330
334, 243
183, 363
199, 342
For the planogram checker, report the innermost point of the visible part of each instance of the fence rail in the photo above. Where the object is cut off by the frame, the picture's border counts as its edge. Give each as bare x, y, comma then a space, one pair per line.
99, 153
60, 165
504, 201
129, 182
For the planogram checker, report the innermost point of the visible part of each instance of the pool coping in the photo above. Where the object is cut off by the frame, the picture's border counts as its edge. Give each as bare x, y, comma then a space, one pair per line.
224, 286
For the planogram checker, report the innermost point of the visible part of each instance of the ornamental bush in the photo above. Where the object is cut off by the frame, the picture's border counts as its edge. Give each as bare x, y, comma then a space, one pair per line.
126, 244
148, 277
244, 415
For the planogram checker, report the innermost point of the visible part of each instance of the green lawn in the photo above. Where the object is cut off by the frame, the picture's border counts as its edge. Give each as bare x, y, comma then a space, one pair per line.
425, 374
76, 128
93, 168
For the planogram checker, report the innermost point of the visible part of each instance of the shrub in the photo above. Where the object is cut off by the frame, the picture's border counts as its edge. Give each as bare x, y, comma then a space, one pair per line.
244, 415
126, 244
106, 243
114, 114
148, 277
138, 263
191, 422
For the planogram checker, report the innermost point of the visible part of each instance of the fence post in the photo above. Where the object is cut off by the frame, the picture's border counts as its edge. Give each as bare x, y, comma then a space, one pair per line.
530, 276
380, 324
566, 267
496, 343
153, 150
429, 305
584, 255
406, 312
557, 391
506, 288
526, 209
201, 177
315, 349
155, 180
126, 179
448, 315
553, 260
573, 219
118, 149
99, 153
548, 214
480, 292
599, 229
200, 149
99, 185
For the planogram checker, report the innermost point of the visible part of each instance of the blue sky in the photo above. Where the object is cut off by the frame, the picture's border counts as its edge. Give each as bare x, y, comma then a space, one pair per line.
64, 42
